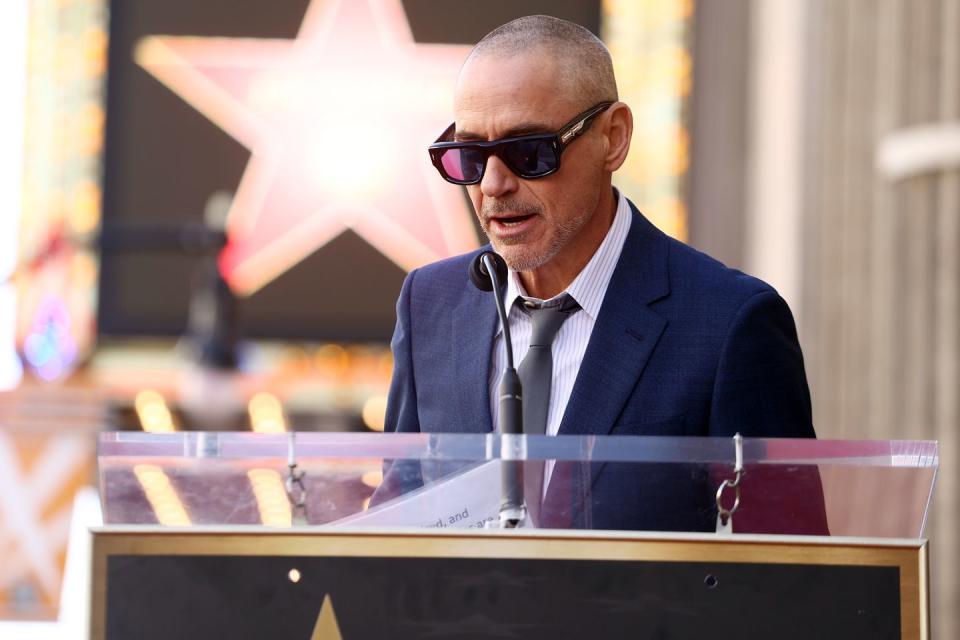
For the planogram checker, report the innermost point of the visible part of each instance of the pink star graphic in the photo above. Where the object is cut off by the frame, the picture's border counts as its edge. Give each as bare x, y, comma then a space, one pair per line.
337, 122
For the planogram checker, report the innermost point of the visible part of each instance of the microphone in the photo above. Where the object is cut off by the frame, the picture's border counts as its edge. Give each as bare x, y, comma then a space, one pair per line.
480, 273
487, 271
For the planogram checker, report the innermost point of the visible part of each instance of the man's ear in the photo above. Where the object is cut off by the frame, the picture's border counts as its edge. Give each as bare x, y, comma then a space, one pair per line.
619, 131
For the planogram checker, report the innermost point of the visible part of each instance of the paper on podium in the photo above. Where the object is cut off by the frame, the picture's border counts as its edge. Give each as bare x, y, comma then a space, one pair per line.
466, 500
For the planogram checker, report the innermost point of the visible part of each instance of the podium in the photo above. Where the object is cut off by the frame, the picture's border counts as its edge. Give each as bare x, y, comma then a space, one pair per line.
398, 535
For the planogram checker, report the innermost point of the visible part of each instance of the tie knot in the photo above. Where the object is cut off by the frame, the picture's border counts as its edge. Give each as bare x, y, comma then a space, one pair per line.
548, 317
564, 303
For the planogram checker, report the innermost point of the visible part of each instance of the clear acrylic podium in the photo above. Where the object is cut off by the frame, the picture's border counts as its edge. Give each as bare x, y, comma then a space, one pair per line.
315, 535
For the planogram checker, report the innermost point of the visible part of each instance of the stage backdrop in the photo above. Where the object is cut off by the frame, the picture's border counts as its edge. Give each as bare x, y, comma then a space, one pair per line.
302, 127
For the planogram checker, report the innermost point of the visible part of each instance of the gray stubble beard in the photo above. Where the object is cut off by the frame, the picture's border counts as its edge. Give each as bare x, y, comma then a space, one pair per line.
521, 261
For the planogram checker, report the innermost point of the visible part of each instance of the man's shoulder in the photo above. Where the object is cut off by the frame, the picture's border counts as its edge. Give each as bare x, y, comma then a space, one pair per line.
693, 272
443, 281
697, 280
452, 268
689, 273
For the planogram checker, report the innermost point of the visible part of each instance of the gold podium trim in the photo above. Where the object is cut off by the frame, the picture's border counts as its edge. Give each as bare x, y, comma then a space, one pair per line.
909, 556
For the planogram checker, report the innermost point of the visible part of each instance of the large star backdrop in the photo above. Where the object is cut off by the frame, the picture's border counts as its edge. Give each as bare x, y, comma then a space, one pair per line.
304, 124
336, 121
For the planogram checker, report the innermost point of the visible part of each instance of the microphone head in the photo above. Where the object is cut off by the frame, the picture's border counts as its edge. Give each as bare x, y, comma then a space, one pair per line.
478, 271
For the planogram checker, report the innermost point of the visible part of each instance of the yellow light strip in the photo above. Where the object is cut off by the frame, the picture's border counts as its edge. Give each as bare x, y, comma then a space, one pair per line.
152, 410
271, 497
162, 497
653, 65
61, 148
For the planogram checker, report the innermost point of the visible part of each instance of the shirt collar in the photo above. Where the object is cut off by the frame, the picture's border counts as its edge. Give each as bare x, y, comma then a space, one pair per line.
590, 285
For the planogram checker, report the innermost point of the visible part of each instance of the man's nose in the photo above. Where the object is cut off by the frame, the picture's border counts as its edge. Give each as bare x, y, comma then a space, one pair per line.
497, 179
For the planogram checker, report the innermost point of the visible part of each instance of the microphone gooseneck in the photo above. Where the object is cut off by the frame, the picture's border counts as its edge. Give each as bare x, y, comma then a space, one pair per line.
491, 271
487, 271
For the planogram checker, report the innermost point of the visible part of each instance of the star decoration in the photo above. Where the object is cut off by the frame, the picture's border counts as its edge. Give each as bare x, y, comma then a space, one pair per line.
337, 121
39, 477
326, 627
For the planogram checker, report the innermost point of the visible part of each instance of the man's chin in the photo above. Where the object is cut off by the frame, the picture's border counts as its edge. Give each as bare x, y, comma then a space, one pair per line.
519, 258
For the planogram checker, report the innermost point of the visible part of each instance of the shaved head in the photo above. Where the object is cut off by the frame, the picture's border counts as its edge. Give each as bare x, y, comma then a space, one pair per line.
532, 77
584, 62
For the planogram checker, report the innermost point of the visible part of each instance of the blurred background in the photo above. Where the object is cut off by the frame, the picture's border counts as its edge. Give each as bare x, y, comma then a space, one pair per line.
207, 210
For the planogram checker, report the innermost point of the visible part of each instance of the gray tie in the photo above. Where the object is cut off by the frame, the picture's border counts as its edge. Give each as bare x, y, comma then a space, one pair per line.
536, 376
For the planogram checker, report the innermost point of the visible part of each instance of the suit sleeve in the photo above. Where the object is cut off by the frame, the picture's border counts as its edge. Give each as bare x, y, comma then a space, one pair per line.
401, 476
402, 415
761, 391
760, 388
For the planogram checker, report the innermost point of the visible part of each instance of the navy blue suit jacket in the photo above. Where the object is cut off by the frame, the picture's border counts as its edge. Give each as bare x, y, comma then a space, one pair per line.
682, 346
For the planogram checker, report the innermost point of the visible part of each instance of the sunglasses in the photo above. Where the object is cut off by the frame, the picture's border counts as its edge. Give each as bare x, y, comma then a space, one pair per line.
531, 156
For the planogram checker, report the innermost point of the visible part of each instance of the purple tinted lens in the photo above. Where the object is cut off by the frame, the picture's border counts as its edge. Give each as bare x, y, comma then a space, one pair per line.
531, 158
451, 163
463, 165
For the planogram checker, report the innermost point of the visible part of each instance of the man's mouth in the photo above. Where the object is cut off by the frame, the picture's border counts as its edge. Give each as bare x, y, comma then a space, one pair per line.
512, 221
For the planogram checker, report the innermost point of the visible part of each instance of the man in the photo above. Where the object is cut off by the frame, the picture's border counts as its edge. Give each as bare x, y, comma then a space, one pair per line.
655, 338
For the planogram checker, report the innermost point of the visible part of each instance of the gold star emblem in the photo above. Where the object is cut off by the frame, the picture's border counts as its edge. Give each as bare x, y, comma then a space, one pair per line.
326, 627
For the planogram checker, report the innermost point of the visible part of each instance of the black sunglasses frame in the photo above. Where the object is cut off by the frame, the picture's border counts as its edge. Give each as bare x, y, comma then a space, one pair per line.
558, 142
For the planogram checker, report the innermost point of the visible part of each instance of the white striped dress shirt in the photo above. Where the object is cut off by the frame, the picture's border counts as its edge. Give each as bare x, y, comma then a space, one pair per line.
570, 344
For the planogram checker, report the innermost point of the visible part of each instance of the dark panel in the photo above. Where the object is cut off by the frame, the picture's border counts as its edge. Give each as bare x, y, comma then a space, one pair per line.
468, 21
247, 597
163, 159
345, 291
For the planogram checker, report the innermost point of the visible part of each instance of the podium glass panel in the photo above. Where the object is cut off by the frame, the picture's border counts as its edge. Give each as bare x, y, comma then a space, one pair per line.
877, 489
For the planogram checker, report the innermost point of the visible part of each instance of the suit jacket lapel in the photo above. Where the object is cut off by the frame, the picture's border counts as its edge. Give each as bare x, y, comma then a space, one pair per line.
625, 333
623, 338
473, 326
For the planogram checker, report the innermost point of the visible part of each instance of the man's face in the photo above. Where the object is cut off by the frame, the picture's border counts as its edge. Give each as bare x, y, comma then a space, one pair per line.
529, 222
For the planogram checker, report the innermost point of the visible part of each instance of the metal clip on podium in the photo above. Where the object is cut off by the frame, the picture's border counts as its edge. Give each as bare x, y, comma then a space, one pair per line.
384, 535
